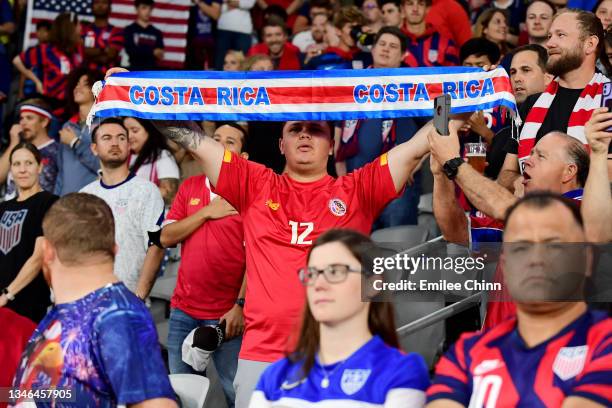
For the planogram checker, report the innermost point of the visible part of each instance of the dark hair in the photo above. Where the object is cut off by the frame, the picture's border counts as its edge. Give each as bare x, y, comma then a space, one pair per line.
241, 129
608, 36
143, 3
381, 319
544, 199
63, 33
393, 31
29, 147
596, 6
479, 46
71, 83
274, 21
277, 13
381, 3
326, 4
538, 49
107, 121
44, 24
548, 3
152, 148
589, 25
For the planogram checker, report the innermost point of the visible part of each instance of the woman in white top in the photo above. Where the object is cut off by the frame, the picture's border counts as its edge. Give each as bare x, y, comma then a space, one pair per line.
151, 157
234, 29
347, 354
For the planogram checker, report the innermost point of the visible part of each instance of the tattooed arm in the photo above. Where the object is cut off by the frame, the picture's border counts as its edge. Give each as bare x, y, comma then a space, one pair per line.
206, 150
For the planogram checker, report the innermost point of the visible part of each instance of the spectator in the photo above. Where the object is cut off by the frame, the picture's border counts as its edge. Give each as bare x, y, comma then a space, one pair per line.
492, 24
346, 54
558, 163
211, 282
98, 340
528, 72
351, 335
603, 11
372, 15
313, 40
151, 158
426, 46
258, 63
515, 16
234, 29
450, 19
27, 88
102, 41
392, 13
20, 226
137, 206
144, 43
233, 61
54, 60
284, 55
527, 76
539, 18
294, 209
203, 17
479, 52
576, 41
77, 166
358, 142
596, 207
34, 119
291, 9
491, 366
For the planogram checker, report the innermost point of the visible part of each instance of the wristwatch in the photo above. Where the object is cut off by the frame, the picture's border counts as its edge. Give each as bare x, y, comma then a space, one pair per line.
451, 167
8, 294
240, 302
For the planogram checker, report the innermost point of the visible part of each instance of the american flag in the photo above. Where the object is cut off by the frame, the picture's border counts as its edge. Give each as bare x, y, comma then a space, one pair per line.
169, 16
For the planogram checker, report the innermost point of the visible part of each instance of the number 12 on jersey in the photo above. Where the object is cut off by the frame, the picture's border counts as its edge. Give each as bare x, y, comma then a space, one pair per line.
298, 238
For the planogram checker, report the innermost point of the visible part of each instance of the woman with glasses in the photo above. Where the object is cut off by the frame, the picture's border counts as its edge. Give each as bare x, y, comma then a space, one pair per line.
348, 352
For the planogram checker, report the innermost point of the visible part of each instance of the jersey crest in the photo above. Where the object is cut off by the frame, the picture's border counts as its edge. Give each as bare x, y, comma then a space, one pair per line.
353, 380
11, 225
570, 361
337, 207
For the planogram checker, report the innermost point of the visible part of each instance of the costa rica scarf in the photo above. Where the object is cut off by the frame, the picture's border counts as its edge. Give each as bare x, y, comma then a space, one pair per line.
299, 95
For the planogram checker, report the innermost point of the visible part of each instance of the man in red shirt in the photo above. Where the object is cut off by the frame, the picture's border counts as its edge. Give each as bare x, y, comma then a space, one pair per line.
283, 215
285, 56
451, 20
211, 284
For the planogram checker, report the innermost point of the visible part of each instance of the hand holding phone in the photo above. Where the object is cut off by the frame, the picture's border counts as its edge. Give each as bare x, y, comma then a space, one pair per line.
442, 105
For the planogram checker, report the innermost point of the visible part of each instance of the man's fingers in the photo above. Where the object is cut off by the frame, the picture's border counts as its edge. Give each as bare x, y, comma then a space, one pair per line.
115, 70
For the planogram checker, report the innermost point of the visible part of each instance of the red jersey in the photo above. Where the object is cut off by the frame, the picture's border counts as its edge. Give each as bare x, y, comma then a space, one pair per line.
282, 218
496, 368
212, 257
289, 60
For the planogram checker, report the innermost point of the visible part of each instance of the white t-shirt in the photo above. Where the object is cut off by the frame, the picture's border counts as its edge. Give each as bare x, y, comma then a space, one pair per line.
138, 208
303, 40
238, 19
164, 167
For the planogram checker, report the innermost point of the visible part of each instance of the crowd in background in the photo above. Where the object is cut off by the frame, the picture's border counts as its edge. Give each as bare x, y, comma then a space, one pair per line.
163, 191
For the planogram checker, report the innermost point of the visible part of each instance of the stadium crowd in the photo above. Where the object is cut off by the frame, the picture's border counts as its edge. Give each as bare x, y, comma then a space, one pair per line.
89, 215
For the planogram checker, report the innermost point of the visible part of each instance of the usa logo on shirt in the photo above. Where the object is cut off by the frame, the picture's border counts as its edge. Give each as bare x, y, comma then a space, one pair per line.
337, 207
570, 361
11, 225
353, 380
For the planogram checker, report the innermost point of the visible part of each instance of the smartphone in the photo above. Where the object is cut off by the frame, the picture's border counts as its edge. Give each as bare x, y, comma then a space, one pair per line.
442, 105
606, 99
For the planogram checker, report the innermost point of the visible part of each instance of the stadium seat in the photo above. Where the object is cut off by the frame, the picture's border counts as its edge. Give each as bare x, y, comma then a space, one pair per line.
191, 389
401, 237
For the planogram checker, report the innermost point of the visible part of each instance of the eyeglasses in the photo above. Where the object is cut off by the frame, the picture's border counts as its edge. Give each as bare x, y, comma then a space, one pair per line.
334, 273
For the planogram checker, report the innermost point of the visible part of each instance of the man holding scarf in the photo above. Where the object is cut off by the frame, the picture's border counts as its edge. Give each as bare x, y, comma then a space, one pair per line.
576, 41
